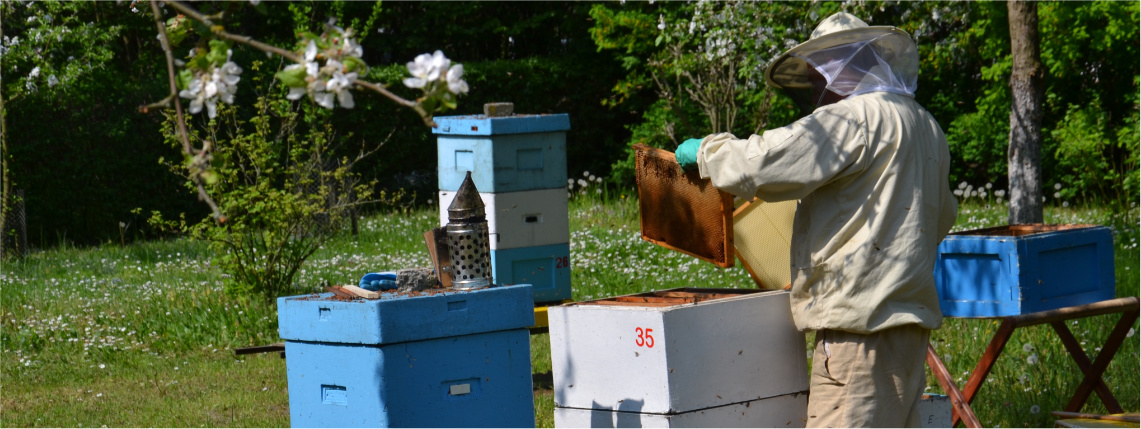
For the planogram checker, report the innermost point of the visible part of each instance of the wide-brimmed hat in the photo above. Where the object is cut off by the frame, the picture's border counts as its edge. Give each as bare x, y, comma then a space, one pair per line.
791, 71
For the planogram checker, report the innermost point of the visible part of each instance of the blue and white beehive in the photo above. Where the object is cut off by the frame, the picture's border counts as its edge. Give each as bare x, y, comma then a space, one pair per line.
445, 359
519, 165
1020, 269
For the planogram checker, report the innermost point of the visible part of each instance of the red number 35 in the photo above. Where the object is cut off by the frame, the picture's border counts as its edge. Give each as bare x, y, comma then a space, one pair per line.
645, 337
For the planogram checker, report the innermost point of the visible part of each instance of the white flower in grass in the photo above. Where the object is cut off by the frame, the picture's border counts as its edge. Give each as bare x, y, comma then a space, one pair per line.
962, 185
1032, 359
1027, 347
1034, 409
1057, 186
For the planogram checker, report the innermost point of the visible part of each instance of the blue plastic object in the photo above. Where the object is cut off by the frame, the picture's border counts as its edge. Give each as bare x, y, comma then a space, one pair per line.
454, 359
546, 268
378, 281
980, 275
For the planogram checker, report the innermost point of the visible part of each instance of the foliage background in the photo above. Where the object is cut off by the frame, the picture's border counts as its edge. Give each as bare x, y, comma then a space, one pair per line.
86, 159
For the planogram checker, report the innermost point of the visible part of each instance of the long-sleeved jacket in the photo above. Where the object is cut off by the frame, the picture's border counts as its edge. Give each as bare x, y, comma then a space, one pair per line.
871, 176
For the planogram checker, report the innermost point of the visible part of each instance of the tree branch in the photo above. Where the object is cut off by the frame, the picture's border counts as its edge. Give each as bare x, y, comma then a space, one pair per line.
187, 148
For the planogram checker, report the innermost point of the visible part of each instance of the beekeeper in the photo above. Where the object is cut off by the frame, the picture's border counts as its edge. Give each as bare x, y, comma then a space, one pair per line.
869, 167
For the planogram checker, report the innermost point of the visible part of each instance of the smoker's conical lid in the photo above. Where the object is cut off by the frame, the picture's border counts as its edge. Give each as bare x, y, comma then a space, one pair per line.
467, 203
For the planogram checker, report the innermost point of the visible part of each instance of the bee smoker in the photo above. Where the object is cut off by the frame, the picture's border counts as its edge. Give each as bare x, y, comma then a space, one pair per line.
467, 237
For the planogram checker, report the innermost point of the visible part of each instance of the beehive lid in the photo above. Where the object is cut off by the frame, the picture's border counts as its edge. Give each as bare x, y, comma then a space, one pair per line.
762, 237
483, 125
670, 297
680, 210
1022, 230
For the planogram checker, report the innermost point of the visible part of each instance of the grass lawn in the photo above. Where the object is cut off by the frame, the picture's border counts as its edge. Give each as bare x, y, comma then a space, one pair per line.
143, 335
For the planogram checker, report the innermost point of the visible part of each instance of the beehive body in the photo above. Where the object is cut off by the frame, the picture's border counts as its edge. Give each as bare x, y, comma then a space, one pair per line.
676, 359
400, 360
981, 275
518, 164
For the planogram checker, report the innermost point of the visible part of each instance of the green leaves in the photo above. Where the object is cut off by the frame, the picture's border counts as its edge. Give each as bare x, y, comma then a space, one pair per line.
292, 78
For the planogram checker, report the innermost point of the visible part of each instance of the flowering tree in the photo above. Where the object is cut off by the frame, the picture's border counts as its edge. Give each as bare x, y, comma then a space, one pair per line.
275, 193
58, 48
327, 68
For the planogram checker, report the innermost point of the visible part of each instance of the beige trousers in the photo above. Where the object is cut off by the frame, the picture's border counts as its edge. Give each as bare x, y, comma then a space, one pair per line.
868, 380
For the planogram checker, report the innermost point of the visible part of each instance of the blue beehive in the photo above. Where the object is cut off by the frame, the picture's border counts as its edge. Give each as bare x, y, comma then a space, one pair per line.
518, 164
447, 359
503, 154
1021, 269
547, 268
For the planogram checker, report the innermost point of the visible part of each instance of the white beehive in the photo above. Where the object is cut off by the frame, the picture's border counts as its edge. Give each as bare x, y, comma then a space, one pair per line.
676, 351
781, 411
521, 219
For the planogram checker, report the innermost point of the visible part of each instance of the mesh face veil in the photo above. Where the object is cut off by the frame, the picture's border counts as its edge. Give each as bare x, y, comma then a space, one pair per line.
888, 63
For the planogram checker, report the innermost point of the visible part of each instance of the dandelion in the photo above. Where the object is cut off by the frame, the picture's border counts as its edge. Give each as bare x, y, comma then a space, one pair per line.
1057, 195
1024, 378
947, 358
962, 185
1034, 409
1032, 359
1058, 186
1027, 347
1130, 333
988, 185
102, 366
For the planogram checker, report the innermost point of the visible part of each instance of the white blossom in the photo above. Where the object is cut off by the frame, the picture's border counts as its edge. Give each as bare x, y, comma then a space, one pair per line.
456, 83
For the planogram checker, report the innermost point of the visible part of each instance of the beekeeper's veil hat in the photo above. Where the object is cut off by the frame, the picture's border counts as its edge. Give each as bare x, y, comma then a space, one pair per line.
853, 57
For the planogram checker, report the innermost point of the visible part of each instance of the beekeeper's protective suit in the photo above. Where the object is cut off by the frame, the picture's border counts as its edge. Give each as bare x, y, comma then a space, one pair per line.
870, 173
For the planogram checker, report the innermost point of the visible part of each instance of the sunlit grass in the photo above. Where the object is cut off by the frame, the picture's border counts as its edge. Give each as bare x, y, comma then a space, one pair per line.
142, 335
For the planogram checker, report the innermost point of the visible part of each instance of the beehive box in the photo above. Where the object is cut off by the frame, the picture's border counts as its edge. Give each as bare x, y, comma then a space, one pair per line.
676, 351
400, 360
546, 268
1020, 269
521, 219
935, 411
503, 154
780, 411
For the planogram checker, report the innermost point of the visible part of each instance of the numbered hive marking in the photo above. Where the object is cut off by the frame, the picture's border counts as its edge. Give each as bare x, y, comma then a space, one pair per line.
676, 351
1019, 269
521, 219
504, 154
546, 268
398, 360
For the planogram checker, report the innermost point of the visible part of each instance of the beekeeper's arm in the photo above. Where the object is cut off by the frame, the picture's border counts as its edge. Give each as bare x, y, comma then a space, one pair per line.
790, 162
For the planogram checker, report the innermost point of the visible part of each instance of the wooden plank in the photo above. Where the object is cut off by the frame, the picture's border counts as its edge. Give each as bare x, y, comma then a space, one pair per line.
960, 409
336, 290
275, 347
367, 294
1131, 418
1098, 308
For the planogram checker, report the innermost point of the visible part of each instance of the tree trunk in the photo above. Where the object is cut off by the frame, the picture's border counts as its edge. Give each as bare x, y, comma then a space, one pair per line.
1025, 152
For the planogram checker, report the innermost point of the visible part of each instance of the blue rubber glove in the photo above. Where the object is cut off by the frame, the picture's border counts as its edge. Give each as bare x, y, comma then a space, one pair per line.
378, 281
686, 154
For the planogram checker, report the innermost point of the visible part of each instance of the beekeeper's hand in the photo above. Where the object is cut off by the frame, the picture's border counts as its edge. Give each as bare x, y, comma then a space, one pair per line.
686, 154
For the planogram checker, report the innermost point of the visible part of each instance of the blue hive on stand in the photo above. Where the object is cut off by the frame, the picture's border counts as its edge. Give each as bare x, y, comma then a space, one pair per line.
1020, 269
443, 359
519, 165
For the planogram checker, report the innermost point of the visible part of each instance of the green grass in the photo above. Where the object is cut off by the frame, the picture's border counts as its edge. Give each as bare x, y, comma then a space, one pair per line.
143, 335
